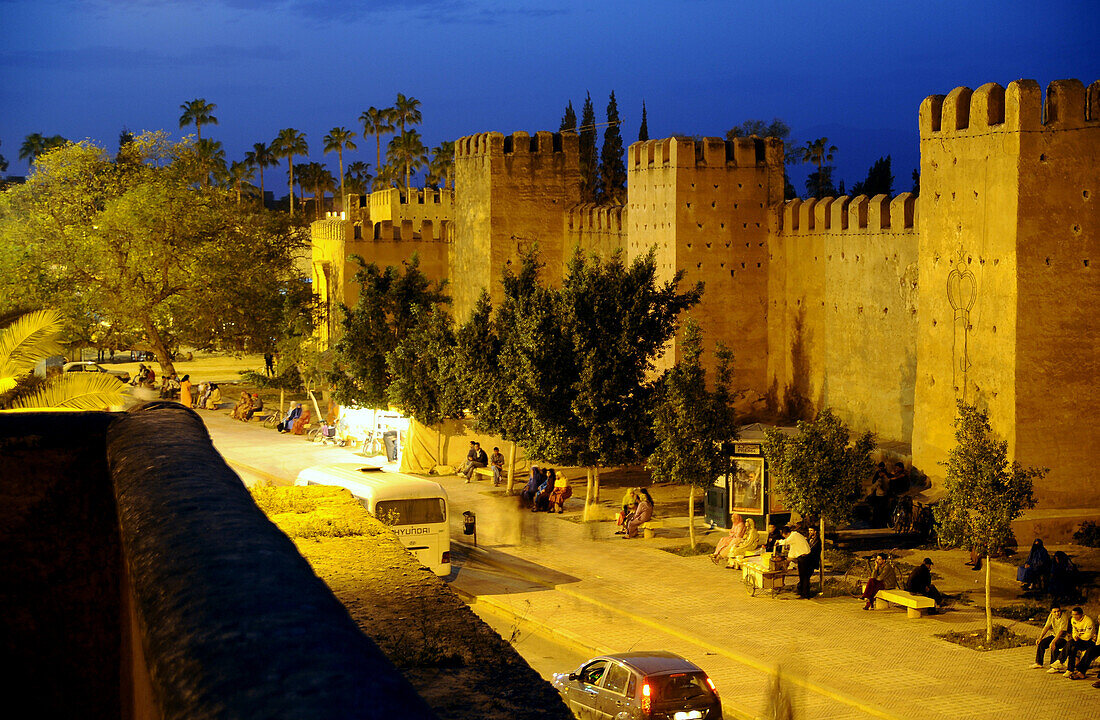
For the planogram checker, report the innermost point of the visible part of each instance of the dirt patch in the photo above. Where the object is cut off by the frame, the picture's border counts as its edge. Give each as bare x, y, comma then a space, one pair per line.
1003, 639
457, 663
701, 548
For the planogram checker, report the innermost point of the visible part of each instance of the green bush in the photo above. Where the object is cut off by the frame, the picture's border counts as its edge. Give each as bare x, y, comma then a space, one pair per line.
315, 528
1088, 535
274, 500
1022, 612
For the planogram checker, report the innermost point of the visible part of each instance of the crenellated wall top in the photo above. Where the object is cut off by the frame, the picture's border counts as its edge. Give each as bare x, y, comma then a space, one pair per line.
1019, 107
708, 152
590, 216
495, 144
855, 214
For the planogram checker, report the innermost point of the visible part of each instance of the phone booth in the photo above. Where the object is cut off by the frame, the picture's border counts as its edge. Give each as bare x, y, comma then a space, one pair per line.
745, 487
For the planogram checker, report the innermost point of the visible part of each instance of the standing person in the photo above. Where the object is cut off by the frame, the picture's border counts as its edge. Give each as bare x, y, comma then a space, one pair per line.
185, 391
496, 461
1057, 626
479, 460
269, 364
1082, 640
797, 548
898, 480
878, 498
920, 582
883, 578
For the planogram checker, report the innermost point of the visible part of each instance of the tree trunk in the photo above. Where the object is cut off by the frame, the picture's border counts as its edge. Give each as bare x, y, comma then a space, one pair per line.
596, 483
588, 495
821, 560
691, 515
511, 469
282, 397
290, 170
343, 197
159, 348
988, 609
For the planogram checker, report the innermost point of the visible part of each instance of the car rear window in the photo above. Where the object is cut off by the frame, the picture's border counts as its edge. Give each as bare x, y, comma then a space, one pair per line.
417, 511
679, 686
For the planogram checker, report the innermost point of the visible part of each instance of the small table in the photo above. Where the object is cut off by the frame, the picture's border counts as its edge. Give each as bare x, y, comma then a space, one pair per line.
758, 577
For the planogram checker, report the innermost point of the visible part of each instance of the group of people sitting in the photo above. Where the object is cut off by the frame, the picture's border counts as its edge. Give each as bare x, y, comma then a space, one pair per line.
885, 577
743, 539
1041, 573
545, 491
1072, 642
246, 407
210, 395
295, 421
145, 377
637, 510
797, 545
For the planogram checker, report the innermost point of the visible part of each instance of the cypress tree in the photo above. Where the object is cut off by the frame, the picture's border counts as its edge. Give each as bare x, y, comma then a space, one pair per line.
588, 151
612, 182
643, 131
569, 119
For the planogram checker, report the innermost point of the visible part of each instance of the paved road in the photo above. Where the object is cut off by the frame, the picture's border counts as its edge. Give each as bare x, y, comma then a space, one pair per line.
595, 591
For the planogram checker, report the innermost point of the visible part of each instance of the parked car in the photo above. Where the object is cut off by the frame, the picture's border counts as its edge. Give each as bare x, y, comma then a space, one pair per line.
639, 686
87, 366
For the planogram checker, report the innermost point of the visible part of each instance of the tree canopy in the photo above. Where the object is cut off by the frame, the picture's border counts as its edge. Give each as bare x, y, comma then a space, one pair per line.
612, 181
879, 180
587, 151
136, 245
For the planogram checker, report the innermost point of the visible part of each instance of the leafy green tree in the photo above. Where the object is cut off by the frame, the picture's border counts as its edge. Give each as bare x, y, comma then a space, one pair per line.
386, 311
259, 157
643, 129
822, 182
575, 362
34, 336
691, 422
777, 128
612, 179
407, 152
358, 178
819, 471
149, 250
198, 112
879, 180
984, 492
442, 164
588, 159
819, 152
916, 182
377, 123
337, 139
569, 119
288, 143
421, 366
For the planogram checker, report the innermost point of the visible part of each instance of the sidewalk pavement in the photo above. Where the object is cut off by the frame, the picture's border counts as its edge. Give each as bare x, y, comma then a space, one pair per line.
612, 594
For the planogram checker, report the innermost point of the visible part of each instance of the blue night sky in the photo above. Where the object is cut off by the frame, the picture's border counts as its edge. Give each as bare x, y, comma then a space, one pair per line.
855, 72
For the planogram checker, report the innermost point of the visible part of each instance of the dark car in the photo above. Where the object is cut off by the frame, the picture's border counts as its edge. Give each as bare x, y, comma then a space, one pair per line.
639, 686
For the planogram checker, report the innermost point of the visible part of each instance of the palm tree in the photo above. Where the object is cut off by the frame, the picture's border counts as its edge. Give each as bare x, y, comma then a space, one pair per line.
260, 156
407, 151
442, 165
211, 159
37, 144
388, 176
239, 174
818, 152
377, 122
359, 177
32, 337
406, 111
198, 112
288, 143
337, 139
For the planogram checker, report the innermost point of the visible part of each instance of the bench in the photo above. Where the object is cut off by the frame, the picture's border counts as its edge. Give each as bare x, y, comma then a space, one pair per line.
915, 605
649, 526
484, 472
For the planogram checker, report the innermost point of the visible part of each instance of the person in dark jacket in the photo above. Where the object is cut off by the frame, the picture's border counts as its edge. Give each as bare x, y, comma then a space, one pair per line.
1036, 567
920, 582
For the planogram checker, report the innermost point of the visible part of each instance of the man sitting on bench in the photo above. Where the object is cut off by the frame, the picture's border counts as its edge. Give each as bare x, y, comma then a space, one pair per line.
920, 583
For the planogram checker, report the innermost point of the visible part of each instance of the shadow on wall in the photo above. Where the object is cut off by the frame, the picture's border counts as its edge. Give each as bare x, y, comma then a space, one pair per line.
796, 398
907, 394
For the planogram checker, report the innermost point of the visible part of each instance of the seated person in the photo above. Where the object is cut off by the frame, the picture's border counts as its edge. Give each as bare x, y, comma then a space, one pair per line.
291, 417
213, 397
883, 578
749, 542
561, 492
642, 514
920, 582
496, 461
773, 537
471, 456
1055, 635
1062, 578
733, 536
243, 407
630, 502
541, 502
479, 460
299, 426
257, 406
1036, 567
1082, 639
534, 482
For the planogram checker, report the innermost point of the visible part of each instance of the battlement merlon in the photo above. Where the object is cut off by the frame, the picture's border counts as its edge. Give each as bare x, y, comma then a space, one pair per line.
496, 144
1019, 107
590, 216
708, 152
856, 214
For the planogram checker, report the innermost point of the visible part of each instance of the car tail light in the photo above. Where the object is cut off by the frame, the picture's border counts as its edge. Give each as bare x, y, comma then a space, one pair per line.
647, 699
710, 684
446, 557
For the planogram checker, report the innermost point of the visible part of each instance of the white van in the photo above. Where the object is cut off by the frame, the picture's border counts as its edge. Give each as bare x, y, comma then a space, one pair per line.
415, 509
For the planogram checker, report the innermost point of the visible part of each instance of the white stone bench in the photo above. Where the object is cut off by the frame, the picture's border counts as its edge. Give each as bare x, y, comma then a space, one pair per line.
915, 605
649, 526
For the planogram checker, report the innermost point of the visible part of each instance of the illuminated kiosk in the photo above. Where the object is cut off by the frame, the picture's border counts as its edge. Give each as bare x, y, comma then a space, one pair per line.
745, 488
